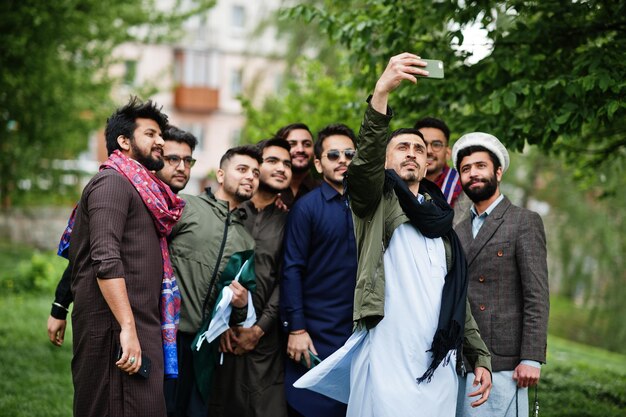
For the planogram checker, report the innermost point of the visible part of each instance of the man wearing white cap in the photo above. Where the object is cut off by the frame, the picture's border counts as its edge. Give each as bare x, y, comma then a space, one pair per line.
508, 278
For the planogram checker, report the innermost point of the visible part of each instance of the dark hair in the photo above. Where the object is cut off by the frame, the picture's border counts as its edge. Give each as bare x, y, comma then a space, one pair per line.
435, 124
123, 121
180, 136
476, 148
405, 131
330, 130
248, 150
266, 143
284, 131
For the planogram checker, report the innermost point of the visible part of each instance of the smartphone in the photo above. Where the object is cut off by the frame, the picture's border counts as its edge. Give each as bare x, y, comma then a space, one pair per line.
315, 360
146, 363
434, 68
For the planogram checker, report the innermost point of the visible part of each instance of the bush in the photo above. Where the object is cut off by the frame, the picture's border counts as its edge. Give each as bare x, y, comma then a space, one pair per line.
39, 274
581, 381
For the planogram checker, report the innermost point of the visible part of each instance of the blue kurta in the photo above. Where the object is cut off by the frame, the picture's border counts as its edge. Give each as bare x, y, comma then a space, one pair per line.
317, 290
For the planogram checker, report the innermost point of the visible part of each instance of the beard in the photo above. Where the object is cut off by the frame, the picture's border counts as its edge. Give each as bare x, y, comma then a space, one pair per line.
242, 196
263, 186
481, 193
301, 169
151, 164
410, 177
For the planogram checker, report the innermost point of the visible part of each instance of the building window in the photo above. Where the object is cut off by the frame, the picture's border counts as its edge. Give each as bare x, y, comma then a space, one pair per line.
192, 68
236, 77
238, 17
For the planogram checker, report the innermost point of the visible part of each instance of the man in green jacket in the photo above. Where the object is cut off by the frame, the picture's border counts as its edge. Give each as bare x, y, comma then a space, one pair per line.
209, 232
410, 306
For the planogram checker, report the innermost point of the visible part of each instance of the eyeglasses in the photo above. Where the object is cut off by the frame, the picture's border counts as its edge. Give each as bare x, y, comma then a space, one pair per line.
334, 154
174, 160
436, 145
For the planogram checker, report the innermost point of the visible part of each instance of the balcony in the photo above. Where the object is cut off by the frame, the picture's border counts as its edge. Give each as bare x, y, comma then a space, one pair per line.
196, 99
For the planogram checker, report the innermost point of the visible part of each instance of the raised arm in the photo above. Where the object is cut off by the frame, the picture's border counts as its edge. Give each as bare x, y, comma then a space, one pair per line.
366, 174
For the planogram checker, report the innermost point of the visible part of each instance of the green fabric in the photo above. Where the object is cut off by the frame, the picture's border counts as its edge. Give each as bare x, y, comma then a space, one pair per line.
206, 359
375, 216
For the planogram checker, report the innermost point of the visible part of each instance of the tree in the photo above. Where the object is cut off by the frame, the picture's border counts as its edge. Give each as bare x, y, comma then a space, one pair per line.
314, 97
554, 76
54, 81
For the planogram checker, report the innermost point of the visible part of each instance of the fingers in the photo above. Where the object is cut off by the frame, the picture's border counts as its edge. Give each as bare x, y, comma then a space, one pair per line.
298, 347
403, 67
228, 341
130, 360
240, 295
482, 379
56, 330
526, 375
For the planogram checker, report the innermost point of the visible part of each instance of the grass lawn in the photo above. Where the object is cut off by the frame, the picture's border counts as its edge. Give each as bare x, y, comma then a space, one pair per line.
36, 378
578, 381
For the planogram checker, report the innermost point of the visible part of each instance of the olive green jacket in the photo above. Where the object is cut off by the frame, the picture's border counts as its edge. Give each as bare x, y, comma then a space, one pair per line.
205, 238
376, 215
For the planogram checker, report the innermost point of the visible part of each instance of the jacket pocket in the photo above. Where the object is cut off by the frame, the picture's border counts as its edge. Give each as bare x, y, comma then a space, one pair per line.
506, 335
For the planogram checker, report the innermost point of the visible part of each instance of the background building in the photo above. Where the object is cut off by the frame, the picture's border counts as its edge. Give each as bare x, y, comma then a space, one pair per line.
198, 80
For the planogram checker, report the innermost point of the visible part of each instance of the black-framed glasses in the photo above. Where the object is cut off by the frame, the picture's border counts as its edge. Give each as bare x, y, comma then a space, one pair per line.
334, 154
436, 145
174, 160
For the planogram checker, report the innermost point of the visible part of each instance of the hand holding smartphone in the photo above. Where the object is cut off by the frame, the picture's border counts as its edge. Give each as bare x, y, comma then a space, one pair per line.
315, 360
146, 363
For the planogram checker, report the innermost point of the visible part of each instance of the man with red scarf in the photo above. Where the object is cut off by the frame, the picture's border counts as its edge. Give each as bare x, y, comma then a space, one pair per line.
126, 300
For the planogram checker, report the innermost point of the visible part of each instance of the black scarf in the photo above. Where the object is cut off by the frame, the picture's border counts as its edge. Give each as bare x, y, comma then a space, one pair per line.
433, 219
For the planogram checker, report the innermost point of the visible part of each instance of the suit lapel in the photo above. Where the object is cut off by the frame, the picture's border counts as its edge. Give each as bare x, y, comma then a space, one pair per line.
491, 225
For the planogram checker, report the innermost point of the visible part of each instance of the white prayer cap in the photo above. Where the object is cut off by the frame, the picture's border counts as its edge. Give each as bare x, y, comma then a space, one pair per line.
485, 140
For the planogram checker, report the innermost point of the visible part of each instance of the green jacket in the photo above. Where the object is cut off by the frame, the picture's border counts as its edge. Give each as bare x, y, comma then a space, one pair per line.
205, 237
376, 215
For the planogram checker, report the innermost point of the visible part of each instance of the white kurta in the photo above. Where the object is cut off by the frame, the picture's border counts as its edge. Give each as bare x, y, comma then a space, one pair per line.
382, 365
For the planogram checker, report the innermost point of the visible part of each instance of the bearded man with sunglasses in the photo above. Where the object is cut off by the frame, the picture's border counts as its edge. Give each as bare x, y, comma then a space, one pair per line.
319, 272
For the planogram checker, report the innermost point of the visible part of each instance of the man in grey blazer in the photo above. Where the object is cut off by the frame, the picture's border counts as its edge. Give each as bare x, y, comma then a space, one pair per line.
508, 278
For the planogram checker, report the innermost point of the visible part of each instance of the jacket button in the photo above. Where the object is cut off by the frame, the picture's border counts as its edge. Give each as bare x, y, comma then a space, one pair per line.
482, 307
500, 253
481, 279
285, 323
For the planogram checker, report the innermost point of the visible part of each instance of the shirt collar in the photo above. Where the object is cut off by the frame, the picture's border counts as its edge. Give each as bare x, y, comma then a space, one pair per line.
487, 212
328, 192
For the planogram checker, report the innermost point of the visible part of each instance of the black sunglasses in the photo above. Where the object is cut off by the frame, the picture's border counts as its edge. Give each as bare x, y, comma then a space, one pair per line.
334, 154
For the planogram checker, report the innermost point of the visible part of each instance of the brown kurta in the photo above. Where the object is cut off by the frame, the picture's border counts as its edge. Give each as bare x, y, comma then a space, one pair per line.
114, 236
251, 385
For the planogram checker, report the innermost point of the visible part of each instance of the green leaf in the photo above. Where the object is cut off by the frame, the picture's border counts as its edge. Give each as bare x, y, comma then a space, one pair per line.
509, 99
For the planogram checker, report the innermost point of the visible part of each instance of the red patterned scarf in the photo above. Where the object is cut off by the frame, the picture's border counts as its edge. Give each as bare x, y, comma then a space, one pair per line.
166, 208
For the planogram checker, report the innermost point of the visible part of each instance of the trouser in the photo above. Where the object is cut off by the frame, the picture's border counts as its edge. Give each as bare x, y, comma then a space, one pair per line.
505, 398
187, 398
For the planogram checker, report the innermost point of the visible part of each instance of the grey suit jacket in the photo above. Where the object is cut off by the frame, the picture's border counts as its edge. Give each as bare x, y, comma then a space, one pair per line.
508, 283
